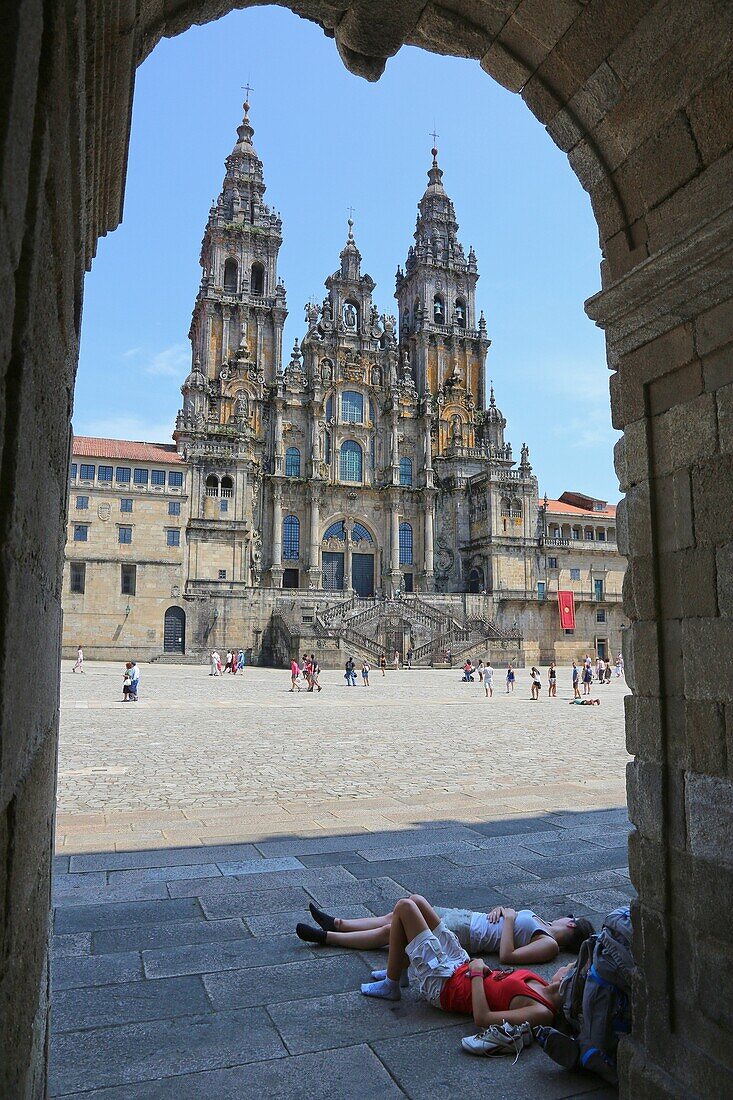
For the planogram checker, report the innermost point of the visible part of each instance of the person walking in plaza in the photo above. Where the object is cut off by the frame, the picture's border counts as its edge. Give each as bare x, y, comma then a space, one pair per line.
607, 671
383, 663
576, 681
510, 678
79, 666
587, 678
315, 673
228, 661
552, 681
619, 666
294, 674
599, 669
480, 670
396, 661
126, 683
350, 673
134, 681
410, 655
215, 660
488, 680
240, 660
365, 673
536, 682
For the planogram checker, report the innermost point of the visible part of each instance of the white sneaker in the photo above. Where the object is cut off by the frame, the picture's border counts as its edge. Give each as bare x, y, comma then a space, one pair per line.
499, 1039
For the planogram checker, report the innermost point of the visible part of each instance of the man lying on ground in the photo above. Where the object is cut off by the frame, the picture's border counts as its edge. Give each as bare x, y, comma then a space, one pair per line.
585, 702
517, 937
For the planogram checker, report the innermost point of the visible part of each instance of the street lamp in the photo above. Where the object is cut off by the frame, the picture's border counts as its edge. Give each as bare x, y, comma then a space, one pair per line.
128, 609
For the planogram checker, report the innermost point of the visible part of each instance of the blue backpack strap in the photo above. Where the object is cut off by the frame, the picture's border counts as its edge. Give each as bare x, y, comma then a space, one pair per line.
596, 1050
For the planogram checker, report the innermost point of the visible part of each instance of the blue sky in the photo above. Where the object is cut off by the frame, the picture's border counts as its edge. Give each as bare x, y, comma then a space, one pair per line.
329, 140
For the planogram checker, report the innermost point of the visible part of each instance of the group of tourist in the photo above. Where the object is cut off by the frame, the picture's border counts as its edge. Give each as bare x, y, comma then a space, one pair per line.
130, 682
233, 663
431, 949
309, 670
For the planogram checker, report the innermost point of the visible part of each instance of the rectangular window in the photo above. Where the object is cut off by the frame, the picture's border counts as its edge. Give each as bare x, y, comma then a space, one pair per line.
124, 535
598, 590
173, 537
174, 507
123, 474
104, 473
175, 479
574, 574
552, 563
541, 589
140, 477
73, 469
77, 577
405, 471
157, 477
222, 574
569, 631
223, 505
86, 472
81, 532
600, 616
601, 536
128, 580
126, 504
82, 503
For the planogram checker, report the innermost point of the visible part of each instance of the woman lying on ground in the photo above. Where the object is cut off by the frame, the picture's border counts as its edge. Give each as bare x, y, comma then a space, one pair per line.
443, 975
518, 938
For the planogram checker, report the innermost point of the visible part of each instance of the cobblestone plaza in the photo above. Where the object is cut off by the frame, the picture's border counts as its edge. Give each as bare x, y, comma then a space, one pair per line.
195, 826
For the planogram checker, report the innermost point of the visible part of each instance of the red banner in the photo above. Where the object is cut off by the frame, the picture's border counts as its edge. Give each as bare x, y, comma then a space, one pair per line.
566, 603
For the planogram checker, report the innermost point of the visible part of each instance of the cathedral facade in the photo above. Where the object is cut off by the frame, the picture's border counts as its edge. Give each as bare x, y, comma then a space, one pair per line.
359, 495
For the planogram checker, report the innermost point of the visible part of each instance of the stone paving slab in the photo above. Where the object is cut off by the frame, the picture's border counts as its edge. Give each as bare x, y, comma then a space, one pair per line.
84, 1060
223, 833
144, 937
129, 1002
352, 1074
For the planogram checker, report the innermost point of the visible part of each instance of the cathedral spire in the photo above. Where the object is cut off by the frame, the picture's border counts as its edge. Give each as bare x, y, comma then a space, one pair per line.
350, 255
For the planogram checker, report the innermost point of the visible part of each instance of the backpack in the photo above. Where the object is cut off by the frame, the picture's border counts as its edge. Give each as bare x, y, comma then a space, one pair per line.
597, 1001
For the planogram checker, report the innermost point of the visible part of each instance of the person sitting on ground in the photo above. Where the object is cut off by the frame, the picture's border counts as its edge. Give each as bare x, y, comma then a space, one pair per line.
517, 937
444, 976
585, 702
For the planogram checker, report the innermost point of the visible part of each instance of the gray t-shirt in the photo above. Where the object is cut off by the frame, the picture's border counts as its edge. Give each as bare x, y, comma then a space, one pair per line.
485, 937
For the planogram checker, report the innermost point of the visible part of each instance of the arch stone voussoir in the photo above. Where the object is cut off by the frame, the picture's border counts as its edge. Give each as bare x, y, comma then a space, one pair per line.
637, 94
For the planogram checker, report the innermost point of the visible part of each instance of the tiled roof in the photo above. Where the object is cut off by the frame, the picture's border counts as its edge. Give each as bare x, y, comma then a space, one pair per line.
571, 510
86, 446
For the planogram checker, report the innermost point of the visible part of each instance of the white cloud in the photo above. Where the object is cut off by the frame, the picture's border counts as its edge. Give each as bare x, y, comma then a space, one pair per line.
172, 362
126, 427
131, 353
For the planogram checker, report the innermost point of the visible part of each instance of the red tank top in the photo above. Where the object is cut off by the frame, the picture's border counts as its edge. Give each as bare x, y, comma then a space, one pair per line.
501, 986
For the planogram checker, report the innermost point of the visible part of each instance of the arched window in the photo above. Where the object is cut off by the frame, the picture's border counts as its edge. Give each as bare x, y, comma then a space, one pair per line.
405, 544
405, 471
227, 487
516, 509
212, 486
291, 538
257, 279
352, 407
360, 533
438, 310
460, 313
230, 275
292, 462
350, 464
335, 531
504, 506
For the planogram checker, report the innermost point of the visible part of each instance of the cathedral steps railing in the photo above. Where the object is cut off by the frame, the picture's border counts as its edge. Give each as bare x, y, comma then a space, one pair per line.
338, 610
363, 644
491, 631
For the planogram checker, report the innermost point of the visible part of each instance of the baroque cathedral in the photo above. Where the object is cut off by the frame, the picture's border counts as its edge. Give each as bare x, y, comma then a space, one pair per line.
366, 476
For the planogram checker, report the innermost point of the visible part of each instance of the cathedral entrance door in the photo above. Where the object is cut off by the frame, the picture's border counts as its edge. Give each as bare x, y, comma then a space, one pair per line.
174, 630
333, 571
362, 567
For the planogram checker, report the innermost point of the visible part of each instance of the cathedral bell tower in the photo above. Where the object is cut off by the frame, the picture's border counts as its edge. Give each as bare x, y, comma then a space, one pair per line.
440, 335
236, 342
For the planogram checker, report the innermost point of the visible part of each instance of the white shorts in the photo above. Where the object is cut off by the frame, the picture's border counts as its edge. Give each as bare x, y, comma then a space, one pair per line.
434, 957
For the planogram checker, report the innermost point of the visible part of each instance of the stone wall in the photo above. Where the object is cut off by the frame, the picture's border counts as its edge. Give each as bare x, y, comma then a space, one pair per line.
638, 94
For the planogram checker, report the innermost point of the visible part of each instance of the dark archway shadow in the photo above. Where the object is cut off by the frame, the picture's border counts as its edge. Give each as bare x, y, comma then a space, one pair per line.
177, 972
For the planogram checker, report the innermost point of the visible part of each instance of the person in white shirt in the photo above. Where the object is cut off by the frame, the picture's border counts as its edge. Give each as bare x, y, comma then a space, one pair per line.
79, 666
519, 938
489, 679
134, 681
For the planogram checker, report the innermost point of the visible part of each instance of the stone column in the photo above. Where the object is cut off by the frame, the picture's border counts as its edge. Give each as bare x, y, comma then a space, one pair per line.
225, 319
278, 452
395, 447
395, 577
348, 528
429, 519
315, 577
276, 570
428, 447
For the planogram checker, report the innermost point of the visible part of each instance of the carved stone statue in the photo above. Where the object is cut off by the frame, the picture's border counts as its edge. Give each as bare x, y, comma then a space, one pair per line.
456, 431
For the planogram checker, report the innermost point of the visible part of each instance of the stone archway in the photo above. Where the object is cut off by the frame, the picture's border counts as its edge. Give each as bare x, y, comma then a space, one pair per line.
638, 96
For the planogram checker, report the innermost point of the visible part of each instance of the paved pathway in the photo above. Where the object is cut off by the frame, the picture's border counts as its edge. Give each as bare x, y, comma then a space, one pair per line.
195, 826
